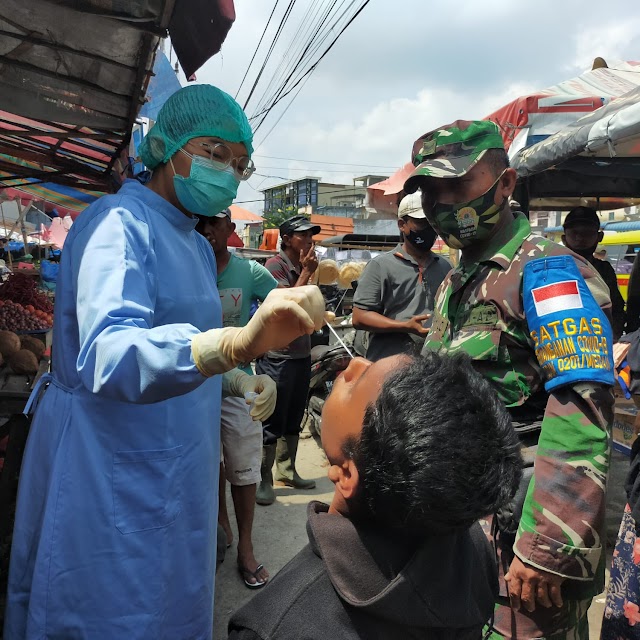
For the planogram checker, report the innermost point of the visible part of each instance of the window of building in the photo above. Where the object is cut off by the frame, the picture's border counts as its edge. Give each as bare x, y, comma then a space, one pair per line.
542, 219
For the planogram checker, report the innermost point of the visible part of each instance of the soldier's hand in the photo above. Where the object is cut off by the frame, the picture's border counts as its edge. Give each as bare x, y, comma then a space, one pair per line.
415, 326
528, 586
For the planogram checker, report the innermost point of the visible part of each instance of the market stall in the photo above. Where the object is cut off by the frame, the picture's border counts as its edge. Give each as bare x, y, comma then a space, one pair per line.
594, 161
533, 117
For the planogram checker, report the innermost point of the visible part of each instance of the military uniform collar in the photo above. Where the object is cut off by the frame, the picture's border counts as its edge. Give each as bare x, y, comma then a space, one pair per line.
503, 247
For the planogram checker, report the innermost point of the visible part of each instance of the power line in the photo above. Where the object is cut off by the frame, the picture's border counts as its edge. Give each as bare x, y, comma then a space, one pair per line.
314, 45
256, 51
344, 164
309, 169
275, 124
274, 88
283, 21
297, 42
315, 65
297, 72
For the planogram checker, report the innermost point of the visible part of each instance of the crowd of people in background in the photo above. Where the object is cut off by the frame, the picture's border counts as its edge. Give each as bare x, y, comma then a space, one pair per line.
153, 404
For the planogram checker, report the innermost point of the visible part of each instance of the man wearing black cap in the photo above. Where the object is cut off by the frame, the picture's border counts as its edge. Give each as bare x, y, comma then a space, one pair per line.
290, 368
582, 235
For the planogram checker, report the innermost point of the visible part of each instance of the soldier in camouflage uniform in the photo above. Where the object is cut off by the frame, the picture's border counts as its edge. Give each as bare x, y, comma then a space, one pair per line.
535, 320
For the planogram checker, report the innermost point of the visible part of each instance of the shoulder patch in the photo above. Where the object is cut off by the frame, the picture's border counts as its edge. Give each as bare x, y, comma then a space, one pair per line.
571, 334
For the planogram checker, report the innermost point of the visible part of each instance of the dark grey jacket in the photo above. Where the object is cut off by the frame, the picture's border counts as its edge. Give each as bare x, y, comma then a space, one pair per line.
350, 583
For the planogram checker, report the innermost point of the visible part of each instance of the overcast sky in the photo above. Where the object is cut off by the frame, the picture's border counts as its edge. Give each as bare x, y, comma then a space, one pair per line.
406, 66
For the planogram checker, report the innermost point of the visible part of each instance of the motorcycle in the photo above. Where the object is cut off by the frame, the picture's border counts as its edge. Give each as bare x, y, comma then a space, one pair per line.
329, 358
327, 362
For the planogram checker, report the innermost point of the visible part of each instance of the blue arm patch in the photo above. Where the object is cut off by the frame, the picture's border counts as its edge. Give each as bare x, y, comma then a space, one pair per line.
572, 335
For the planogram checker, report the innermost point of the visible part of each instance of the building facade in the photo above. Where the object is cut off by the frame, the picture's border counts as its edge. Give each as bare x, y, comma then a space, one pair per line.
310, 195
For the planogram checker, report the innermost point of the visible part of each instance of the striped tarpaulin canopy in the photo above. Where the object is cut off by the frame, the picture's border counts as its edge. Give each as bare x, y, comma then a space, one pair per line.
74, 77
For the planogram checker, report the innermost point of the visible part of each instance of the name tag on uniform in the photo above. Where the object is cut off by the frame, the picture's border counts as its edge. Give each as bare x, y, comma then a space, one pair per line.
482, 315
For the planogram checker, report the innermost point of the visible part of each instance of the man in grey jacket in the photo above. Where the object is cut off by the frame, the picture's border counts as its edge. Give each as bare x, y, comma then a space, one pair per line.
398, 553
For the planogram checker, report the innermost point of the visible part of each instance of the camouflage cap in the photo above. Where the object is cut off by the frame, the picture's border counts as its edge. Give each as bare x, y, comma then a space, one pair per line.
452, 150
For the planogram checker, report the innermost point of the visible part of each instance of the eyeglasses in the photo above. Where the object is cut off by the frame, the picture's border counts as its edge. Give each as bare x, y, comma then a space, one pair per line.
222, 157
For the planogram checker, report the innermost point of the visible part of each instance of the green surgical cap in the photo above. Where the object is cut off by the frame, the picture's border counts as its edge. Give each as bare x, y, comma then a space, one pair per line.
194, 111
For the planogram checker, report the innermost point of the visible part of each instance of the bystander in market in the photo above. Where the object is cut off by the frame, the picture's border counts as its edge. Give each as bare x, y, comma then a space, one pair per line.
289, 367
582, 235
395, 293
240, 282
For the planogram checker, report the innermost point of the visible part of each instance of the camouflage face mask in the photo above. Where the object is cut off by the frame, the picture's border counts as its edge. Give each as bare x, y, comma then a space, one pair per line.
463, 224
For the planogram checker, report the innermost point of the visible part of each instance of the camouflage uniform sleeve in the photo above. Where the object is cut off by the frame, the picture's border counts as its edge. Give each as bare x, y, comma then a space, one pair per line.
563, 513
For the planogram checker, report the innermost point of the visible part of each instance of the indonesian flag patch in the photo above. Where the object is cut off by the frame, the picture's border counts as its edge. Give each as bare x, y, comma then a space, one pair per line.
559, 296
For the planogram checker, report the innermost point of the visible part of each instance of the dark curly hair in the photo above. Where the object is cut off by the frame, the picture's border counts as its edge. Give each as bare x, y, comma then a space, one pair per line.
437, 449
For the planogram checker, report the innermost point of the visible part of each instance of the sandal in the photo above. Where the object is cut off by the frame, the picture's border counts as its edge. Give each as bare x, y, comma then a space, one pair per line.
246, 574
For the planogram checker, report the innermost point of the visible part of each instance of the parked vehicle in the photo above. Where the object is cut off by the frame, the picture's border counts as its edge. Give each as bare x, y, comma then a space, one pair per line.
622, 249
327, 362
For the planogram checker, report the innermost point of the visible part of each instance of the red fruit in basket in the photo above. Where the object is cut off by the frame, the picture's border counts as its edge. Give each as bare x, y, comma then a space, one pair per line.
30, 308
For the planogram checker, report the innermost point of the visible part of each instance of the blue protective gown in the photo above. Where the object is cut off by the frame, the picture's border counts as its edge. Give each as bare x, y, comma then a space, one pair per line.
115, 530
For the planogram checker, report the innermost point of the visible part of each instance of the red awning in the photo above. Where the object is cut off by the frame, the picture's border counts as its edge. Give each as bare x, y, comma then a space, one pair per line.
244, 215
394, 183
234, 241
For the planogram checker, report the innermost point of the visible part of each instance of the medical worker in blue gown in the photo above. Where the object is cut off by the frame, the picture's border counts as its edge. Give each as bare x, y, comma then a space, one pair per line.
116, 522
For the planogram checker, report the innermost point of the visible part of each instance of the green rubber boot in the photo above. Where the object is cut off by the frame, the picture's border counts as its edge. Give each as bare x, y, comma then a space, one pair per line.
286, 473
265, 495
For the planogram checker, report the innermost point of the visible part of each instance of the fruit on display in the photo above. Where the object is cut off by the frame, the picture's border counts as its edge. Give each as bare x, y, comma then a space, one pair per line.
33, 344
9, 343
16, 317
327, 271
349, 272
23, 362
23, 289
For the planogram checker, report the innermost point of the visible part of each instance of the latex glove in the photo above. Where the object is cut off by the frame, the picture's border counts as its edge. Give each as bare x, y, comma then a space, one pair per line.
238, 384
285, 314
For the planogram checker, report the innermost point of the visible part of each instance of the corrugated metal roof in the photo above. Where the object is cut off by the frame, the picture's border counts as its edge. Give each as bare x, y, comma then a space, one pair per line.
332, 226
74, 76
622, 226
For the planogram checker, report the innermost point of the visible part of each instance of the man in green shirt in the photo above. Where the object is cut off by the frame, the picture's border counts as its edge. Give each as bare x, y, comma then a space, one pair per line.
239, 282
534, 318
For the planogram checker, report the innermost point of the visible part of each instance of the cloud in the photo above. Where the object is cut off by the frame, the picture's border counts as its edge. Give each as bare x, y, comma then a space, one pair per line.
382, 136
400, 71
612, 40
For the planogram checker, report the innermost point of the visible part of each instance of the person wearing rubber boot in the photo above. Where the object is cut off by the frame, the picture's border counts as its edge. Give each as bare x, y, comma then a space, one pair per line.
289, 367
239, 282
535, 320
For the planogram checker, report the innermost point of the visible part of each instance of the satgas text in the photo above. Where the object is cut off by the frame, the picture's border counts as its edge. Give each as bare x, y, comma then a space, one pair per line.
565, 328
